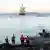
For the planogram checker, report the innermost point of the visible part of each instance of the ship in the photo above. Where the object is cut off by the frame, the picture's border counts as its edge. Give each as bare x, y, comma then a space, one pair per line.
22, 10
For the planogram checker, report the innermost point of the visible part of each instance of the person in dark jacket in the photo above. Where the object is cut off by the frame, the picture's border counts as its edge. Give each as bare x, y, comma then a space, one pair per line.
13, 39
6, 39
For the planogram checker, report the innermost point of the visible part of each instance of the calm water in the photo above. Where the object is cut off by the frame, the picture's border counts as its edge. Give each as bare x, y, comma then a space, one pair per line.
29, 25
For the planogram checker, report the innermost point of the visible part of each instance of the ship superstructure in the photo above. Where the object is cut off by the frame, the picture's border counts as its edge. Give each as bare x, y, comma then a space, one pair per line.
22, 10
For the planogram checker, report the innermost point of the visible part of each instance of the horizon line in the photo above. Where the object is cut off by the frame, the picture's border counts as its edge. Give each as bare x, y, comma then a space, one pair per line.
25, 12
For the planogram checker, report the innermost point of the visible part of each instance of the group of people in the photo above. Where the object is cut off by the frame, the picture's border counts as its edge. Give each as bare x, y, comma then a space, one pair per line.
12, 39
22, 39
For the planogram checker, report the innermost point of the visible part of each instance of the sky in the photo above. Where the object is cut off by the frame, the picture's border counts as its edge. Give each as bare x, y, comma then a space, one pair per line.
31, 5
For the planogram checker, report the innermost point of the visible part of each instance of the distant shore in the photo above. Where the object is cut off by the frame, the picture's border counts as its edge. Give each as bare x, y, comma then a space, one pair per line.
37, 14
28, 13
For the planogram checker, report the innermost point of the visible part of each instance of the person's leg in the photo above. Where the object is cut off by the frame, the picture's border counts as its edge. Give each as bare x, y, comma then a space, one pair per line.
22, 42
12, 41
27, 42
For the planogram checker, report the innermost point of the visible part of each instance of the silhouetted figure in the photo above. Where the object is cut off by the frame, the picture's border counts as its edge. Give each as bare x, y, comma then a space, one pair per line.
6, 45
6, 39
13, 39
44, 33
27, 40
22, 39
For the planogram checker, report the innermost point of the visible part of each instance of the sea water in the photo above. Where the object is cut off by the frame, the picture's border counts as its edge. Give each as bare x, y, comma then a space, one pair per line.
29, 25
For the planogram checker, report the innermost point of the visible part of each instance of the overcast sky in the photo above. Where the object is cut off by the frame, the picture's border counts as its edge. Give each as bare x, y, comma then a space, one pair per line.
31, 5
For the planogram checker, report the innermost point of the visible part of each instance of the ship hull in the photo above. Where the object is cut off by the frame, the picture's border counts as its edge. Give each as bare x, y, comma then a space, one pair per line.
21, 13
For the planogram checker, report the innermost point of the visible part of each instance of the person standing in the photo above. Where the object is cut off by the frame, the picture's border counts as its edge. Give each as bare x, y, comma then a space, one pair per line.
13, 39
6, 39
27, 40
22, 39
6, 45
